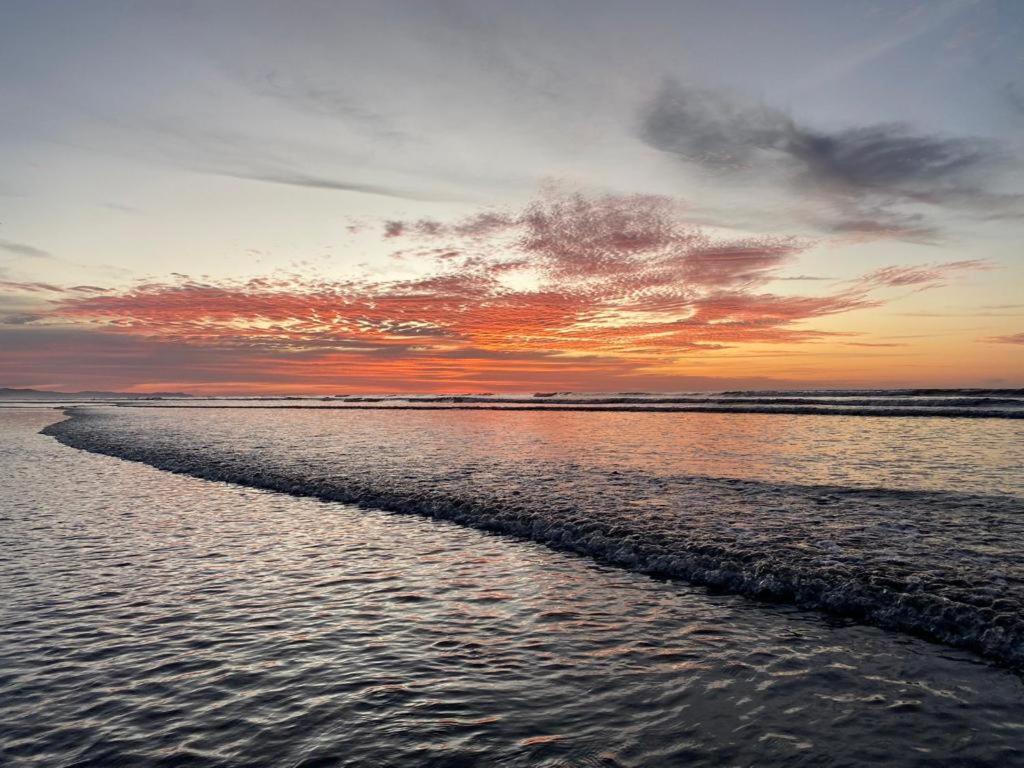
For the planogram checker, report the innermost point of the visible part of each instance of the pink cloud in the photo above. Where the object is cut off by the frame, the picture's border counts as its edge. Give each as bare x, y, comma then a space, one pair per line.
924, 276
570, 289
1012, 338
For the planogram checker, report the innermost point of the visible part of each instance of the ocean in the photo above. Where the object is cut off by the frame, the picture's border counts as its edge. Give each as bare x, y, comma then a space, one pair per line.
551, 579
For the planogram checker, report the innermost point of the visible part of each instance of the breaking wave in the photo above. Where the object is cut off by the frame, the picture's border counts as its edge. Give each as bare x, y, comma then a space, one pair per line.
945, 566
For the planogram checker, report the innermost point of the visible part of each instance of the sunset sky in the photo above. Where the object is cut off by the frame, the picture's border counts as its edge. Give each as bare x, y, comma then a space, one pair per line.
334, 197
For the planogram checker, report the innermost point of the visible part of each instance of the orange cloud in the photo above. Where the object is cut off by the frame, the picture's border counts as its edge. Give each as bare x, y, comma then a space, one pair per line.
573, 290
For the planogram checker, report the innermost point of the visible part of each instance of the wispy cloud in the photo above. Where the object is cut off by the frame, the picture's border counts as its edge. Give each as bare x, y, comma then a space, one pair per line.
923, 277
250, 153
871, 344
919, 20
324, 97
1013, 338
23, 249
298, 179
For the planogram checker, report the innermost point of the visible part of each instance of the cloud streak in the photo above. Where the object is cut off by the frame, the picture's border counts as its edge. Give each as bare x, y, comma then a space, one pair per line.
297, 179
1013, 338
23, 249
923, 277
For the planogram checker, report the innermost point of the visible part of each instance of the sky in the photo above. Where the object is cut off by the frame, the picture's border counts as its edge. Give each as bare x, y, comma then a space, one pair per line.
343, 197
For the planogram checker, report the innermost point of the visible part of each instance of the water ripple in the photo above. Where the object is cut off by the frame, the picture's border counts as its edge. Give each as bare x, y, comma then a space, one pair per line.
152, 619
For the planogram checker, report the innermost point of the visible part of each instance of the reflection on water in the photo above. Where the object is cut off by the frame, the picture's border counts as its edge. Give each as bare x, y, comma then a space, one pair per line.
972, 456
155, 619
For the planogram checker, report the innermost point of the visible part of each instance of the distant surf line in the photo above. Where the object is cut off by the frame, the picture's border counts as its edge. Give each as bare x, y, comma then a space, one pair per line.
792, 410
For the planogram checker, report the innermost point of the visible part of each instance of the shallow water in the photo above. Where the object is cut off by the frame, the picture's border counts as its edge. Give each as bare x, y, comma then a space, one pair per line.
931, 550
159, 619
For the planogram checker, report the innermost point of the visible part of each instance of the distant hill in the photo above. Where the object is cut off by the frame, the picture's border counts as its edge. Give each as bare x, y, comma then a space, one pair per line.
8, 393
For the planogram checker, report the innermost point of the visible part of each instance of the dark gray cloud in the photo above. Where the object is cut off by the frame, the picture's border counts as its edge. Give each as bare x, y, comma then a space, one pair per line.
23, 249
711, 129
719, 132
870, 174
891, 160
